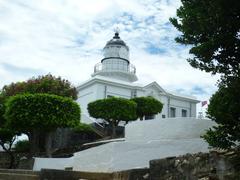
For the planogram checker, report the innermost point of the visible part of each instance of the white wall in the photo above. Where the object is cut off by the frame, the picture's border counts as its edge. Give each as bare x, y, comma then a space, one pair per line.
168, 102
52, 163
87, 95
101, 90
169, 128
179, 105
193, 110
119, 91
145, 140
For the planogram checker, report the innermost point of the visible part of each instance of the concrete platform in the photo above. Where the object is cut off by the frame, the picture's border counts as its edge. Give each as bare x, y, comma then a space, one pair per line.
144, 141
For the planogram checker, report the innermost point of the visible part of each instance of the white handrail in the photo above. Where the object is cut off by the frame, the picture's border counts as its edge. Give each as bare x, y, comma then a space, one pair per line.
92, 120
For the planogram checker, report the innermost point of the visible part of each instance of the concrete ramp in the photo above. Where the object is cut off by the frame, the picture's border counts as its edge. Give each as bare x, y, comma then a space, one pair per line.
170, 128
144, 141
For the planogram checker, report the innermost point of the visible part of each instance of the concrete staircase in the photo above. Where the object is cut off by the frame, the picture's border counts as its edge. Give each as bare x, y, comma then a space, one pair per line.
51, 174
98, 129
13, 174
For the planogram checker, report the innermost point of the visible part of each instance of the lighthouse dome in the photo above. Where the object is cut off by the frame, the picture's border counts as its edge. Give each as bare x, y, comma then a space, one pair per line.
115, 62
116, 41
116, 48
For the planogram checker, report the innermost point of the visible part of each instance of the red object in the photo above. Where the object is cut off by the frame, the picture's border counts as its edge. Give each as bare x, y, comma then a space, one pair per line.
204, 103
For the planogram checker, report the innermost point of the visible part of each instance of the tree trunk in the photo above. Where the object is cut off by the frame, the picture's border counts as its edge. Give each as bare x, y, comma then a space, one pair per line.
11, 156
12, 159
34, 142
8, 150
114, 130
48, 144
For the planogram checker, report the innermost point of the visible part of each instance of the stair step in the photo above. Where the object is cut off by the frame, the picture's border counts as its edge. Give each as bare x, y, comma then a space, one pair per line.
16, 176
19, 171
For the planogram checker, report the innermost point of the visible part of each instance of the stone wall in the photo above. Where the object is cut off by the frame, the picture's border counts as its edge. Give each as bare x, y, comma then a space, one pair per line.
202, 166
216, 165
21, 161
4, 160
66, 137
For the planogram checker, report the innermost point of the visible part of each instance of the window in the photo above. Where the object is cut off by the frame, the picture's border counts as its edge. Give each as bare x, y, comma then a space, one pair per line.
184, 113
134, 93
163, 116
149, 117
172, 112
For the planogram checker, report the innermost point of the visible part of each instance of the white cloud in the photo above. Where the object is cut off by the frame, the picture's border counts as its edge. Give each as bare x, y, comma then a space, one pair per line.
65, 37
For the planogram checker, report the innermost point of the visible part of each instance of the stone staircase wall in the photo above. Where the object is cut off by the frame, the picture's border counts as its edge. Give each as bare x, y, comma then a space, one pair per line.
14, 174
216, 165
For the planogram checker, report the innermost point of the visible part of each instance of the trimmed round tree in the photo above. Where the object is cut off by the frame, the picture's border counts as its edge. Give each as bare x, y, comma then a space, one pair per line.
31, 113
113, 110
147, 106
42, 84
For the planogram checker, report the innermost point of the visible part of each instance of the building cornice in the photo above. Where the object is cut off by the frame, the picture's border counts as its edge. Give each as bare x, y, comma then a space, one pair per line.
182, 98
134, 87
108, 82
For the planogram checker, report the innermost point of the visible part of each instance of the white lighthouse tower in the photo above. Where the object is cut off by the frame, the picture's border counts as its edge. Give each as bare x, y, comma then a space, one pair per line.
115, 63
116, 76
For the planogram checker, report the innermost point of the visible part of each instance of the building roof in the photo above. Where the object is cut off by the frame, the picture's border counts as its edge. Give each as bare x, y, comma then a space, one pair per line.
116, 40
134, 85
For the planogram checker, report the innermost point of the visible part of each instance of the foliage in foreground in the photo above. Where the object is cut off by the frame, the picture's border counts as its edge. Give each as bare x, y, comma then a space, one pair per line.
31, 113
42, 84
224, 109
7, 135
83, 128
22, 146
211, 27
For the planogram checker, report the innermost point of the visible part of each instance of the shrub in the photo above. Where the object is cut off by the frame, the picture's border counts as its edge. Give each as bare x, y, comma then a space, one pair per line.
113, 110
147, 106
22, 146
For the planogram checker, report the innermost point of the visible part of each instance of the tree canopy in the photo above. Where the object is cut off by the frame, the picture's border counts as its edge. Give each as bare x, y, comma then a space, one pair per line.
224, 109
2, 110
30, 113
113, 110
147, 106
212, 28
42, 84
36, 111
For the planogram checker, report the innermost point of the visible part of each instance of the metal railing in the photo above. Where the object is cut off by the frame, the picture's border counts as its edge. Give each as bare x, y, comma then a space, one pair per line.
115, 66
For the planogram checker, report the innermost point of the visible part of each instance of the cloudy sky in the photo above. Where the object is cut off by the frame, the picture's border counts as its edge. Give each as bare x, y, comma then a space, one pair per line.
66, 37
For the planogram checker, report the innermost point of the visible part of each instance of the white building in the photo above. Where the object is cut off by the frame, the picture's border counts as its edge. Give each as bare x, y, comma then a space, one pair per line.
116, 76
175, 131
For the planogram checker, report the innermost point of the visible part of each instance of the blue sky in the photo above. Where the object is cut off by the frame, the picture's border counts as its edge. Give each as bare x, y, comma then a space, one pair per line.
66, 37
